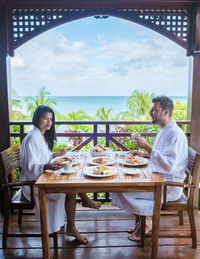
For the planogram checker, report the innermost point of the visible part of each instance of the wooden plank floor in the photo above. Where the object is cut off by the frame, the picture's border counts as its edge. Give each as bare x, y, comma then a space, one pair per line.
106, 231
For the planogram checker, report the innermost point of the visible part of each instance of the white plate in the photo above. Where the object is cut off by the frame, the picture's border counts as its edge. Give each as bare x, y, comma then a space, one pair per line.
89, 172
131, 171
109, 161
105, 153
143, 160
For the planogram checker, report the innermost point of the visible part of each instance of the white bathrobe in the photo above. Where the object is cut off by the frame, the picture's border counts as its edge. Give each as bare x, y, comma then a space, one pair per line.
169, 157
34, 154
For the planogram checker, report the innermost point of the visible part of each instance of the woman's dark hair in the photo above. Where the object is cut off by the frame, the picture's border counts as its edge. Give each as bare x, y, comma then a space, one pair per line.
49, 134
165, 103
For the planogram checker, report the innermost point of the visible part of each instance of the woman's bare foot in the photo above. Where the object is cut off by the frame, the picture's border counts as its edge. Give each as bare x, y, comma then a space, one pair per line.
92, 204
73, 232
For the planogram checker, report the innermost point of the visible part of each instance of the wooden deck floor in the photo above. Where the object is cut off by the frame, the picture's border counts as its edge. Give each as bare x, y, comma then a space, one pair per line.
106, 231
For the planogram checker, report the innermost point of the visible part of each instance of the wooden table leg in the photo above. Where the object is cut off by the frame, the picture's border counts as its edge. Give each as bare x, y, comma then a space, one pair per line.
44, 223
156, 222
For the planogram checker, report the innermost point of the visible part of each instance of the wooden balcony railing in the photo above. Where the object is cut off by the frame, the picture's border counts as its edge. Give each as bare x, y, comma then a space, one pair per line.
108, 134
105, 129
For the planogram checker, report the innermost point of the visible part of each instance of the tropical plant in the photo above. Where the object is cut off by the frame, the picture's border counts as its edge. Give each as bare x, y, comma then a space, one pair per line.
139, 104
16, 107
42, 99
103, 114
180, 111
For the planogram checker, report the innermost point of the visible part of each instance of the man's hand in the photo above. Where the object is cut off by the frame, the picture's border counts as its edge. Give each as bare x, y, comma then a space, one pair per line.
139, 153
142, 143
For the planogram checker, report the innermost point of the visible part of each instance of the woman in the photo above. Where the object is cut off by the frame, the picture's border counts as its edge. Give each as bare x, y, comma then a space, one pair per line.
35, 157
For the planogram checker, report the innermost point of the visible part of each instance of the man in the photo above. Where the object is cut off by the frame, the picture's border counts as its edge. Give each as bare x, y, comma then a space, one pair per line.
168, 156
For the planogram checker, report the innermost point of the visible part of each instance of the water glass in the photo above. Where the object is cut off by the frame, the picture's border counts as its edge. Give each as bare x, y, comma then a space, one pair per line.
133, 136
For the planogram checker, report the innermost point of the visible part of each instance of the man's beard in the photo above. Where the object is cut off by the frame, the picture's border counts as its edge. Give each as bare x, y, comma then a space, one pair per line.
154, 121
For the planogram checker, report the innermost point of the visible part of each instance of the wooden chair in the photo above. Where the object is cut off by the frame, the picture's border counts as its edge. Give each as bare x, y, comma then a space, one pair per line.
13, 196
185, 203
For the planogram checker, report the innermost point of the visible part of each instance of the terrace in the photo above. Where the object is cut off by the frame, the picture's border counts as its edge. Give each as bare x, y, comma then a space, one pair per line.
106, 228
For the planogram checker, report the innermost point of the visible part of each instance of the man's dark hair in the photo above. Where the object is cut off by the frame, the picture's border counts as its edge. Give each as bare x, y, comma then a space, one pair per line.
165, 103
49, 134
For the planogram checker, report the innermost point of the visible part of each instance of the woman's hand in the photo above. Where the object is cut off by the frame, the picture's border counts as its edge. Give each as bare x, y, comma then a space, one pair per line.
53, 166
60, 152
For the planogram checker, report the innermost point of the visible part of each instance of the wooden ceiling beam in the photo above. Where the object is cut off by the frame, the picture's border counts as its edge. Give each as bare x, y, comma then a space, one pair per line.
98, 4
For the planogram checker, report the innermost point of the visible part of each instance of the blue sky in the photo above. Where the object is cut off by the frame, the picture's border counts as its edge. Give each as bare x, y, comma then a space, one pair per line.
100, 57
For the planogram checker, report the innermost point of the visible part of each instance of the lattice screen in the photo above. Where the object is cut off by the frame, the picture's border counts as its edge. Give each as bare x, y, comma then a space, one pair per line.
26, 22
171, 20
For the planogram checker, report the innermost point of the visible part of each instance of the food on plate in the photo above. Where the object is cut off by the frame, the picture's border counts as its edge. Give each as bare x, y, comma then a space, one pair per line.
98, 148
100, 160
63, 159
102, 170
132, 160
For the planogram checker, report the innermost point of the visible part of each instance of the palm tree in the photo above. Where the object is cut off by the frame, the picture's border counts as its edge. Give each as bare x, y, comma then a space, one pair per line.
42, 99
102, 114
79, 116
17, 115
139, 104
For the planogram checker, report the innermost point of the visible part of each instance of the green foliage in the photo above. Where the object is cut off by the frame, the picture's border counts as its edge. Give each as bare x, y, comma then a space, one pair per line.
180, 111
42, 99
139, 104
103, 115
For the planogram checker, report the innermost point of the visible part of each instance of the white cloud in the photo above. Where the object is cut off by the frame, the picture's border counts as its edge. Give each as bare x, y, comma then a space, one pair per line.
67, 67
17, 61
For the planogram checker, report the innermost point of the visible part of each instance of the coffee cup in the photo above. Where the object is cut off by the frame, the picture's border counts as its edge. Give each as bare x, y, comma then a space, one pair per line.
67, 166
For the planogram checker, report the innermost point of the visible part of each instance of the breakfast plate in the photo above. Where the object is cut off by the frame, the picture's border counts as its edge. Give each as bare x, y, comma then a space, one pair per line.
100, 161
100, 171
139, 161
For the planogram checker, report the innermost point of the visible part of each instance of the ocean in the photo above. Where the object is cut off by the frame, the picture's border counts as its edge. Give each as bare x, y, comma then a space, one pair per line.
90, 104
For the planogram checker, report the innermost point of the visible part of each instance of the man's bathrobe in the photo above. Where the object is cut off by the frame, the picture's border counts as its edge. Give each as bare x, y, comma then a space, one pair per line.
34, 154
169, 157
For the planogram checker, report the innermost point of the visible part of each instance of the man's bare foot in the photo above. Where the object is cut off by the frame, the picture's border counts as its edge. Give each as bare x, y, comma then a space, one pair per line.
73, 232
133, 237
148, 226
131, 230
92, 204
136, 234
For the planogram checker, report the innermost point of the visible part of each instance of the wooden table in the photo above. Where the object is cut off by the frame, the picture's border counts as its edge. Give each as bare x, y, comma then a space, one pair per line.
144, 181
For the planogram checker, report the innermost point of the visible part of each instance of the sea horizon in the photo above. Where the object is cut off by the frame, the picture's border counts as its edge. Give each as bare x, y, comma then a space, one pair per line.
90, 104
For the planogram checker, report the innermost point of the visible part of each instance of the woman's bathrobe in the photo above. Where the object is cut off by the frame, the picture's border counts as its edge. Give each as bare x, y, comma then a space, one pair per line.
169, 157
34, 154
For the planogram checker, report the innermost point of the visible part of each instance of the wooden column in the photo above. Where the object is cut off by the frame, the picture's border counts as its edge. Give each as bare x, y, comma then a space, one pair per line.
195, 114
4, 111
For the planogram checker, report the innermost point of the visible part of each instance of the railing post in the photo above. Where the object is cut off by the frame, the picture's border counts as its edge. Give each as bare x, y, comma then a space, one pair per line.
95, 134
21, 132
107, 135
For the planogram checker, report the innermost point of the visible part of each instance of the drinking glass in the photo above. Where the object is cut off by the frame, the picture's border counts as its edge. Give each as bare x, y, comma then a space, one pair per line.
134, 134
133, 138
